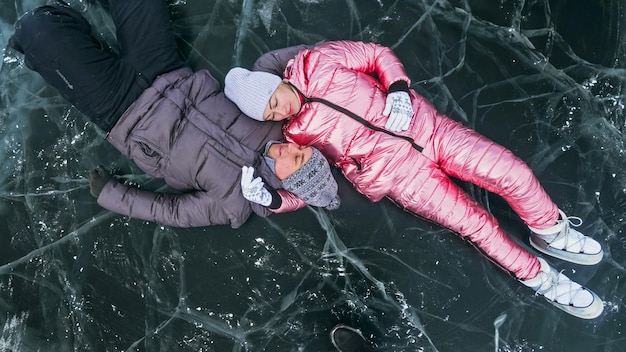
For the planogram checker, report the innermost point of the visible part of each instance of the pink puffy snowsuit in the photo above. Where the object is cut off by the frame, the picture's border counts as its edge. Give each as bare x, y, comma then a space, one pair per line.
356, 76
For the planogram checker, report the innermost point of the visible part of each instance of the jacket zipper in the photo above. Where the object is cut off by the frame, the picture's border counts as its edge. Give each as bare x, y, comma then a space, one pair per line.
356, 117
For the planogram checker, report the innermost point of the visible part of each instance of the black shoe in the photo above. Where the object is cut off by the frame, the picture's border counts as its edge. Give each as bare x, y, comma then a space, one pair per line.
13, 45
57, 3
347, 339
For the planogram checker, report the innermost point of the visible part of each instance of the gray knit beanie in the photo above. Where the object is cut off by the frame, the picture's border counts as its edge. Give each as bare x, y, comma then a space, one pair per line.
314, 183
250, 90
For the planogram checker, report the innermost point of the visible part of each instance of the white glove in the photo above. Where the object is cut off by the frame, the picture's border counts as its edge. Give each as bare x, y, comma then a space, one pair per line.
400, 111
254, 189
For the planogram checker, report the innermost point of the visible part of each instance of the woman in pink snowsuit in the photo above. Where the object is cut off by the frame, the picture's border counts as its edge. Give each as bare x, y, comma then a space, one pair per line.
351, 101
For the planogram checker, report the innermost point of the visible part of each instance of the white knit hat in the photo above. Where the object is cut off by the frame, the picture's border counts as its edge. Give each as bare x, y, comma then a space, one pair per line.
250, 90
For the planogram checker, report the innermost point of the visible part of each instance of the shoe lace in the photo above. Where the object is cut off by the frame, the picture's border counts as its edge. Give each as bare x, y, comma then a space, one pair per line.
555, 286
572, 238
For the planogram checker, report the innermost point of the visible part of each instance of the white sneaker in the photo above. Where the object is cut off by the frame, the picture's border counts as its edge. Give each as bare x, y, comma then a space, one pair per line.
563, 242
565, 294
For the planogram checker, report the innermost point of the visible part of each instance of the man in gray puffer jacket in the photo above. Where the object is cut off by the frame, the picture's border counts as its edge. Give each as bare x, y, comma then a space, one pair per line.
174, 123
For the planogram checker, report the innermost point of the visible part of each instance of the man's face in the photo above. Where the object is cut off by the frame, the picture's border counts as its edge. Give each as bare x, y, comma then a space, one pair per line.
283, 104
288, 158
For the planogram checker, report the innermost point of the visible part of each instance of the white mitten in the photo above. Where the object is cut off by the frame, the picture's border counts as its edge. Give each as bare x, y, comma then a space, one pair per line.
254, 189
400, 111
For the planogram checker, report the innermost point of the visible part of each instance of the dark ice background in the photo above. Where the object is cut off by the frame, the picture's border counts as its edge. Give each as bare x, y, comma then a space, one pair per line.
544, 78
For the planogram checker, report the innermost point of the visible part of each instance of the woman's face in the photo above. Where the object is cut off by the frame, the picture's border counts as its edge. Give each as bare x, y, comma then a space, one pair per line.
288, 157
283, 104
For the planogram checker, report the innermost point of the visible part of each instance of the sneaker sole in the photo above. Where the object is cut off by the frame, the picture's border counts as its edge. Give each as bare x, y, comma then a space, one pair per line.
578, 258
590, 312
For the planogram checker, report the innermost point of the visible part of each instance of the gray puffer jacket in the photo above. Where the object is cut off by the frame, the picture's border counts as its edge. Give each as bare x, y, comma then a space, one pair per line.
183, 129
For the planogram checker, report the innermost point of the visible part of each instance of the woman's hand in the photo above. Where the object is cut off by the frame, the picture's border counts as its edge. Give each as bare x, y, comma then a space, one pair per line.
254, 189
400, 111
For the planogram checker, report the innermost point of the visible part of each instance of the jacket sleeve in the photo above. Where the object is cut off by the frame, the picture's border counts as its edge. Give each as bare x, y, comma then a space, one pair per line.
369, 58
276, 61
180, 210
290, 202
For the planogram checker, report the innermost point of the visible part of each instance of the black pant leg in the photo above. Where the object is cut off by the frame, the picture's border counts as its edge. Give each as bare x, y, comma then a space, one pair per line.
57, 42
145, 37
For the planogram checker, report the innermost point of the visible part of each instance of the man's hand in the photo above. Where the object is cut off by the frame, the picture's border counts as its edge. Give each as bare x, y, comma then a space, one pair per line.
98, 177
